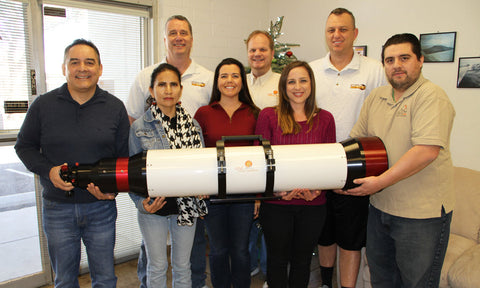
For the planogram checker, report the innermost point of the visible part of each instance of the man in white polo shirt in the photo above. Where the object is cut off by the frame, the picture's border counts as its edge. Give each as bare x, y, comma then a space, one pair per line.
263, 87
262, 81
343, 81
197, 84
196, 79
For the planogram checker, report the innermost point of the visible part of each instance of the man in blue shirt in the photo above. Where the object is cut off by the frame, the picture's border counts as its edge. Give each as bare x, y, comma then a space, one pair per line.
76, 123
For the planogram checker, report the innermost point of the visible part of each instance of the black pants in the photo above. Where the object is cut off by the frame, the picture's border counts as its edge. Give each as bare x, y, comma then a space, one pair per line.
291, 233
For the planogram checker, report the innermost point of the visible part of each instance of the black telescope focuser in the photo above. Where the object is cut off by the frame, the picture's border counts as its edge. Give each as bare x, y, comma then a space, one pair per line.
110, 174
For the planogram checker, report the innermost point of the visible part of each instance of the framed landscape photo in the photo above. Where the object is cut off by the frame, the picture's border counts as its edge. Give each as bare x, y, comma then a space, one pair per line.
361, 50
438, 47
468, 72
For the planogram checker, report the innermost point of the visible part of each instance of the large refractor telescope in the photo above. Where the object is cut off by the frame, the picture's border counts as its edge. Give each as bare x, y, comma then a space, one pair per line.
235, 170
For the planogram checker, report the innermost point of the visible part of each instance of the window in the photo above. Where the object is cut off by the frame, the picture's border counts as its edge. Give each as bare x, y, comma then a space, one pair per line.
15, 64
30, 65
119, 39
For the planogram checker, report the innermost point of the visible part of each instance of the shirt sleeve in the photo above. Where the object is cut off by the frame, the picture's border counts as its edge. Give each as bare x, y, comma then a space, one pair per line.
134, 145
123, 134
360, 127
330, 131
138, 201
28, 143
137, 96
264, 126
199, 117
199, 130
209, 85
432, 118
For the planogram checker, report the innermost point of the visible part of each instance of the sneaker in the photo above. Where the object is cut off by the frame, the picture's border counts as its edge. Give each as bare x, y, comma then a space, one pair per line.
265, 285
255, 271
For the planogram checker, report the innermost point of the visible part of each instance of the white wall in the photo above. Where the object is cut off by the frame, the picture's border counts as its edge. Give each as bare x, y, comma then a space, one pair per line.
220, 27
377, 20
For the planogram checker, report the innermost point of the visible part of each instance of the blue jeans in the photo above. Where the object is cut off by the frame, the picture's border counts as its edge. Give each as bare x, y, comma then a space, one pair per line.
405, 252
66, 225
255, 251
198, 259
228, 227
142, 266
155, 230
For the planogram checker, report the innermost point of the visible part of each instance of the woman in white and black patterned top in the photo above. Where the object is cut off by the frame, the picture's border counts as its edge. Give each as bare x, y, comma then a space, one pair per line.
166, 125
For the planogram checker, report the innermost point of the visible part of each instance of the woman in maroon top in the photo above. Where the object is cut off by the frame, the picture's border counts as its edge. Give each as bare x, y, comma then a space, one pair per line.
230, 112
293, 224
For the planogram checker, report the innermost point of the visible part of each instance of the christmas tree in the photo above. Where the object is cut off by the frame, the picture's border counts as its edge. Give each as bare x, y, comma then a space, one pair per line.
283, 55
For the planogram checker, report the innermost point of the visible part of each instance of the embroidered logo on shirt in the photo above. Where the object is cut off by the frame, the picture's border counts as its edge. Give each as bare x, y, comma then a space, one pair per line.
275, 93
199, 84
402, 112
358, 86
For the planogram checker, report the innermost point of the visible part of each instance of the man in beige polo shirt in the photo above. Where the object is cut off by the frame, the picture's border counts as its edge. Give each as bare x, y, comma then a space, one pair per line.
412, 202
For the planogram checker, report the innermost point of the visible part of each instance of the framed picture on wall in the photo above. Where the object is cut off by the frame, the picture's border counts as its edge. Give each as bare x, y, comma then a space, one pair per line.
438, 47
361, 50
468, 72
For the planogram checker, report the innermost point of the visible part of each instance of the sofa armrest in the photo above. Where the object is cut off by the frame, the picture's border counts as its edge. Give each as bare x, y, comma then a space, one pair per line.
465, 271
457, 245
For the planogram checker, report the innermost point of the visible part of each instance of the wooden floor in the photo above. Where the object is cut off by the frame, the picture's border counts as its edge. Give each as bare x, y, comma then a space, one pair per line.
127, 276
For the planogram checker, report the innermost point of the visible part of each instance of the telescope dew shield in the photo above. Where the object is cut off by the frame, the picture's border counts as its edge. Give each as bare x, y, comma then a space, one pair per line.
190, 172
366, 156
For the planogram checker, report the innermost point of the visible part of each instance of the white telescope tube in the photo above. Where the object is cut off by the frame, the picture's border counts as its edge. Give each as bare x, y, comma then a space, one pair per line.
235, 170
194, 171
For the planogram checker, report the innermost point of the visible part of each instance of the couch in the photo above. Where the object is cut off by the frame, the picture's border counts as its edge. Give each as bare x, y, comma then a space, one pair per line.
461, 268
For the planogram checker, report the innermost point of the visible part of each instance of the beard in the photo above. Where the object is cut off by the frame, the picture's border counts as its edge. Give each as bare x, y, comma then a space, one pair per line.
403, 84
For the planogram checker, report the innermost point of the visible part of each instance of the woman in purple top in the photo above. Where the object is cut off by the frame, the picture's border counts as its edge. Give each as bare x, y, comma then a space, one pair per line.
293, 224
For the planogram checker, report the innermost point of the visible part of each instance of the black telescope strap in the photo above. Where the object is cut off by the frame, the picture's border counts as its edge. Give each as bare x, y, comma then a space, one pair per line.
221, 163
222, 169
270, 168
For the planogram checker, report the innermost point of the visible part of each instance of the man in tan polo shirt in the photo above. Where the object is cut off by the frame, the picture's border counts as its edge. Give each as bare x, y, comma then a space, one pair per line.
411, 203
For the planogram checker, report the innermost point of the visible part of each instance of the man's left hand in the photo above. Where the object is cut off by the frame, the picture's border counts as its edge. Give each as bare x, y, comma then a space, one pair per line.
368, 186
